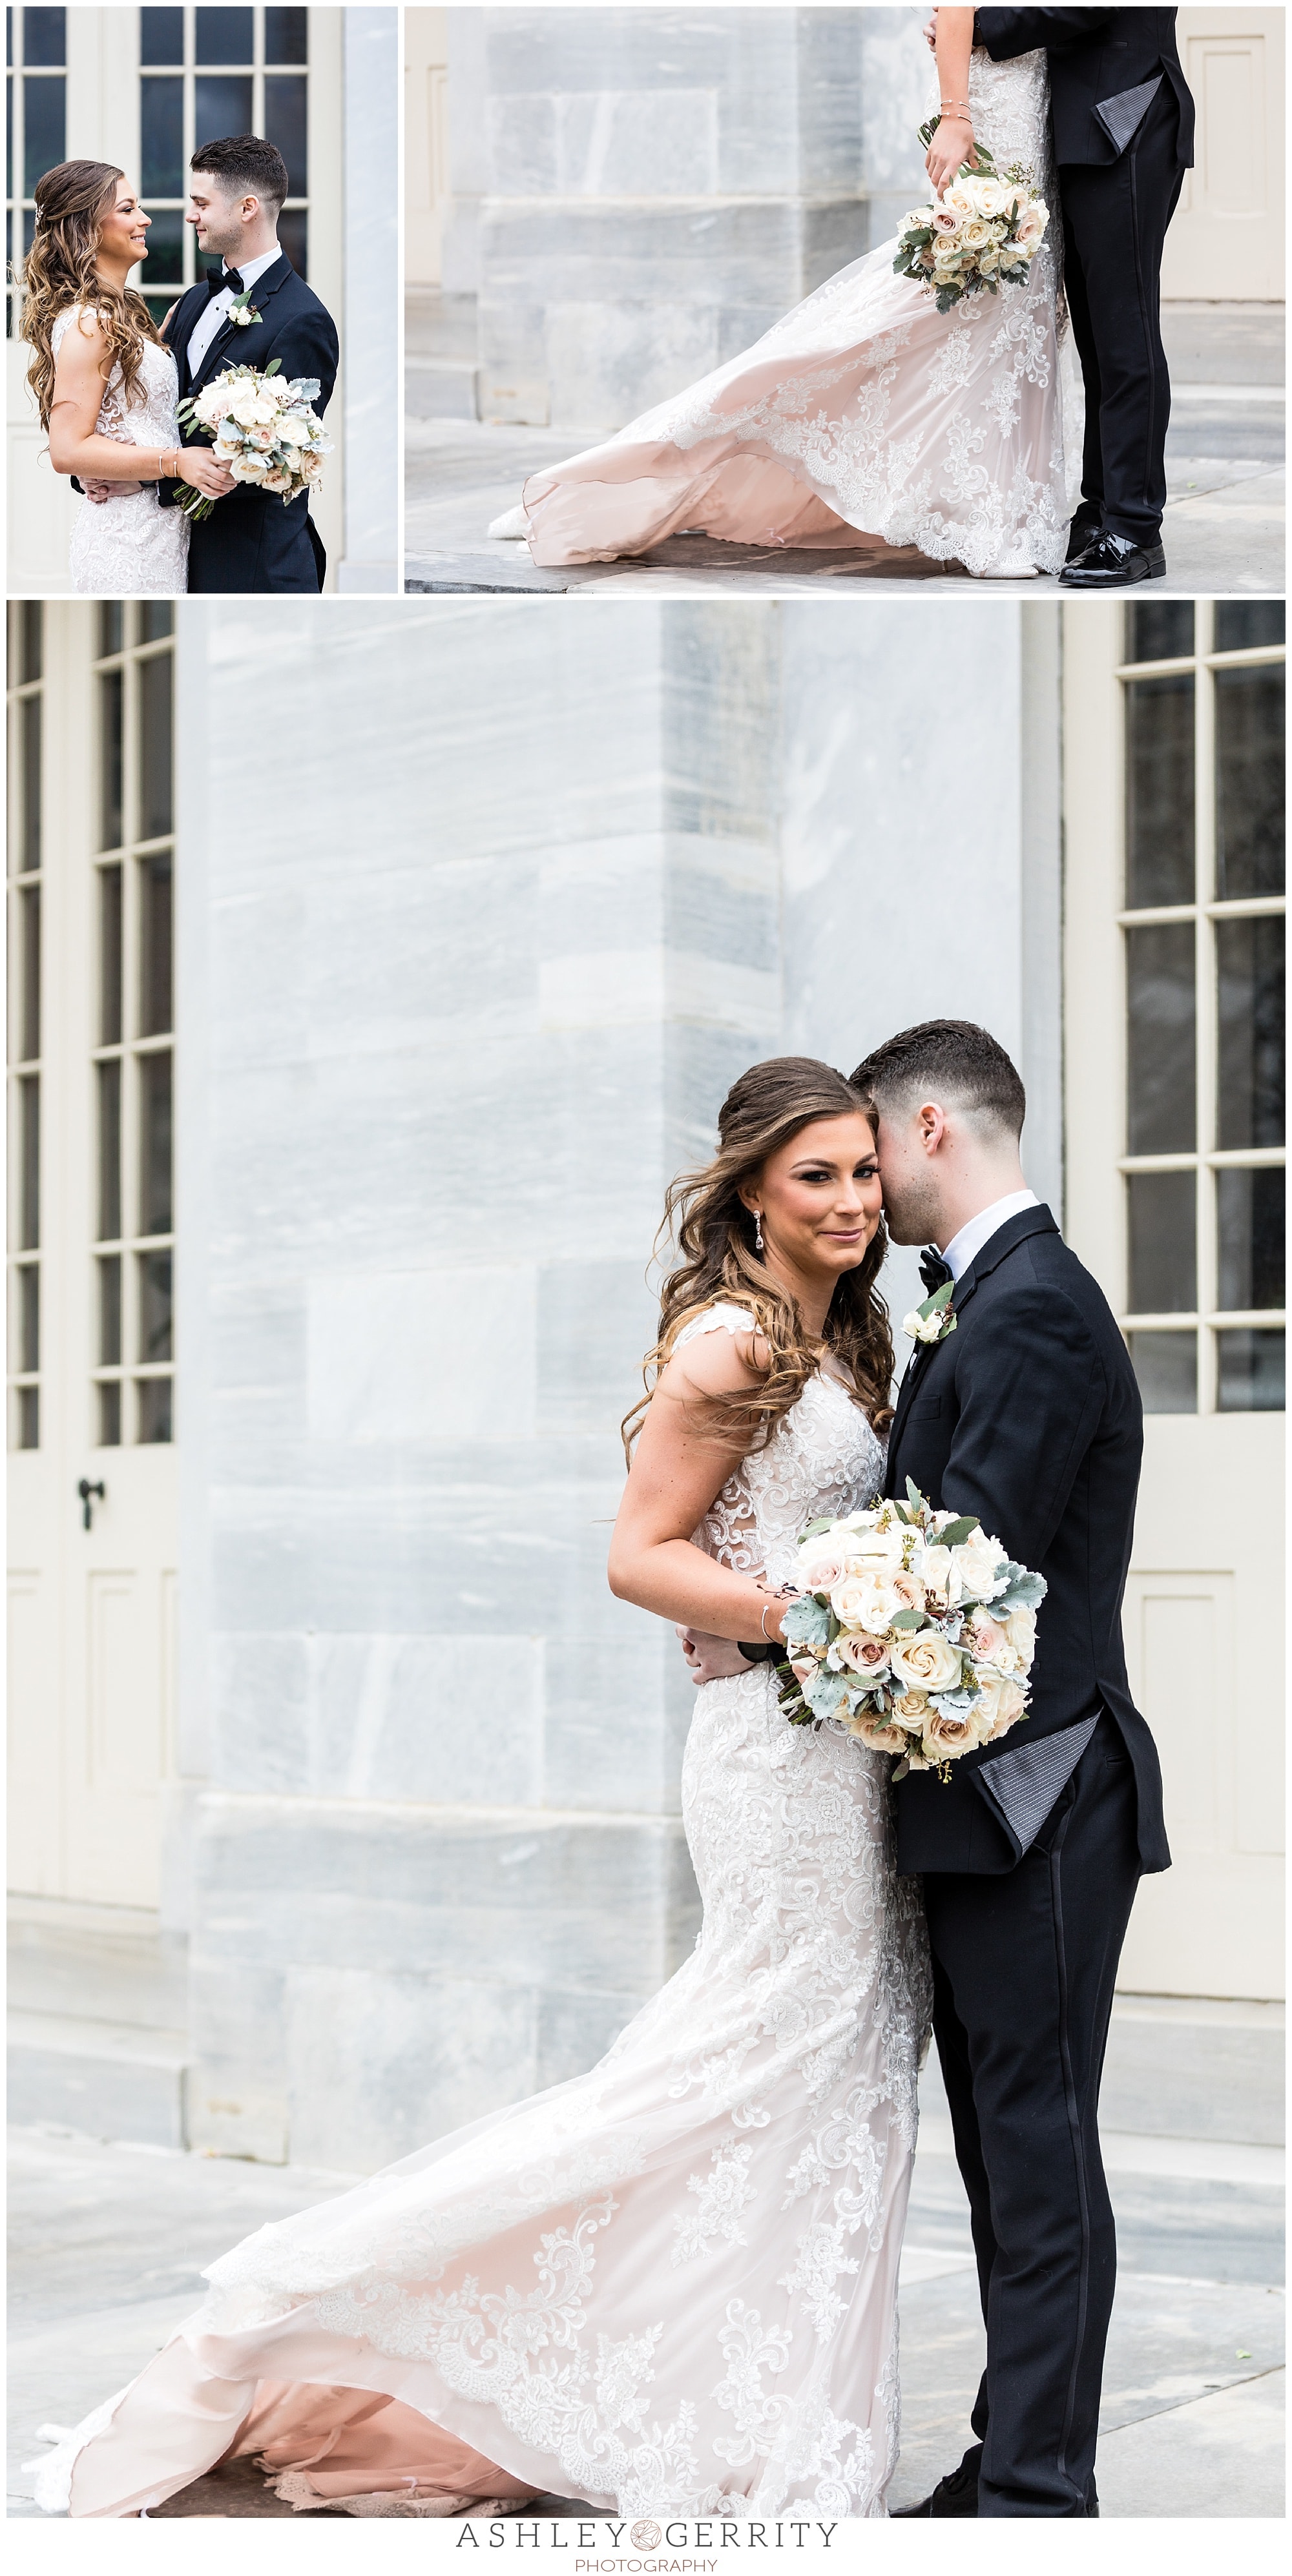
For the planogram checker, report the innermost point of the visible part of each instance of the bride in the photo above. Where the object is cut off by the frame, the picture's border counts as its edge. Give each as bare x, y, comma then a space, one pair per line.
670, 2281
865, 417
106, 387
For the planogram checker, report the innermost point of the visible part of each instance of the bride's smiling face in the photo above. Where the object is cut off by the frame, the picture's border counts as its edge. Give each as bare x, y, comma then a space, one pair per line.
818, 1198
123, 227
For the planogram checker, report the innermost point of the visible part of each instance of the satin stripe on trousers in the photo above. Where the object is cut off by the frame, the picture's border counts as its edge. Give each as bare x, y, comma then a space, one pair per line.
1115, 218
1024, 1967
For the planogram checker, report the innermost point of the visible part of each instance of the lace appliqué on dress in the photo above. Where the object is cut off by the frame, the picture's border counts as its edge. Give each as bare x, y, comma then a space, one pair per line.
130, 547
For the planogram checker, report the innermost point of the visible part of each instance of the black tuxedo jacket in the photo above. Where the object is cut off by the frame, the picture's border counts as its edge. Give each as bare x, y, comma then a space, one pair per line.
1028, 1415
1094, 54
249, 541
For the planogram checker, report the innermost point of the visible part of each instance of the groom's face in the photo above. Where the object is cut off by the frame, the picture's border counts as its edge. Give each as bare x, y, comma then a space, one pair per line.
219, 218
908, 1172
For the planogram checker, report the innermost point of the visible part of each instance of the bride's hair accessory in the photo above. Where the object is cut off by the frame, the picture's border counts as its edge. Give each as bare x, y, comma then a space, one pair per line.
61, 269
915, 1632
707, 1221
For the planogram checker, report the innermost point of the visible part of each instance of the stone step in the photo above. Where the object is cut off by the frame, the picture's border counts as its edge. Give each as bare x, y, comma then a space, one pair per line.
438, 325
105, 2079
440, 388
1181, 2068
97, 1962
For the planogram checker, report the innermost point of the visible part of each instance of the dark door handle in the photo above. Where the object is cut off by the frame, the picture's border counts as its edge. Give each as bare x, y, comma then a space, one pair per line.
87, 1492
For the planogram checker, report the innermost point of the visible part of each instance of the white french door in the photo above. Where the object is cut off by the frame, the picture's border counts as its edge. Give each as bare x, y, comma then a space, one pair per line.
1174, 1046
1226, 237
91, 1357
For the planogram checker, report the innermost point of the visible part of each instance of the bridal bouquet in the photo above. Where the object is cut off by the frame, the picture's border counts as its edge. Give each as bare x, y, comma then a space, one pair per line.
986, 227
913, 1631
263, 430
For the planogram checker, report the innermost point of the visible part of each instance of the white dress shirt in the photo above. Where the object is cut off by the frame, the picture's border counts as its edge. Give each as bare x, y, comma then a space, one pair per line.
218, 307
965, 1246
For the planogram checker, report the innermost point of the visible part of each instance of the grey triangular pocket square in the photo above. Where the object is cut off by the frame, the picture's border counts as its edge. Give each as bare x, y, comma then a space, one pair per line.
1122, 117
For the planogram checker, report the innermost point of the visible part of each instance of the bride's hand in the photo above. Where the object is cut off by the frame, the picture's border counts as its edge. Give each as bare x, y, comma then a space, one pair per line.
95, 491
198, 467
952, 145
931, 33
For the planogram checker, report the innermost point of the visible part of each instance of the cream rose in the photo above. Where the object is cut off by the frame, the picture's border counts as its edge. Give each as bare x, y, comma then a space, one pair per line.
249, 469
946, 219
1030, 227
945, 1736
293, 432
879, 1733
912, 1711
822, 1562
987, 1638
935, 1573
1020, 1628
923, 1658
999, 1705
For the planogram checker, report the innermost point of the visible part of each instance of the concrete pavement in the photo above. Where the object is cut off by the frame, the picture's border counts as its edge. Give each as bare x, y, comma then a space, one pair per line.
109, 2241
1223, 529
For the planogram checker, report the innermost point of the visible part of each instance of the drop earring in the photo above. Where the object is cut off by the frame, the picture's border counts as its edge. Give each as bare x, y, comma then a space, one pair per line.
758, 1229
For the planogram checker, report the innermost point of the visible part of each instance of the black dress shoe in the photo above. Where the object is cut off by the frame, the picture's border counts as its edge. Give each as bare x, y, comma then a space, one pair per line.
957, 2493
1111, 562
1086, 523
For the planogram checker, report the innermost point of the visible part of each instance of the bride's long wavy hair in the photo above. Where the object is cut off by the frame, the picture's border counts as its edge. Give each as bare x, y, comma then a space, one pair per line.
59, 270
712, 1229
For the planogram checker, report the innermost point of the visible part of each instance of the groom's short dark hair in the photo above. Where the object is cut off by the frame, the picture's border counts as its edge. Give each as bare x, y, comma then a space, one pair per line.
246, 166
955, 1059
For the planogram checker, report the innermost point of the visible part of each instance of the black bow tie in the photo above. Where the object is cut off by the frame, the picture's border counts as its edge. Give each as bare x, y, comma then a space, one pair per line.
217, 280
934, 1271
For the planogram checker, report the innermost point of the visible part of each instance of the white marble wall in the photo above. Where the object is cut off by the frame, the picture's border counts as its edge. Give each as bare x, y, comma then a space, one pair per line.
369, 384
475, 934
662, 183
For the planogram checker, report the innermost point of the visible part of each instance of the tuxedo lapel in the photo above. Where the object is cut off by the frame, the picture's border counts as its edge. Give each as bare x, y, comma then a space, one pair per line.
220, 351
997, 1248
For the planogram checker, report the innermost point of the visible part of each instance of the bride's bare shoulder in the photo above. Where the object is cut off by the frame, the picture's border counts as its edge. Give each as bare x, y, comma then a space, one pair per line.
717, 1352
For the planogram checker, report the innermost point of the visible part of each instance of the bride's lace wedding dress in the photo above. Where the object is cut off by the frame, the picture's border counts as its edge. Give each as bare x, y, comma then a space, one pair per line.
129, 547
864, 417
671, 2281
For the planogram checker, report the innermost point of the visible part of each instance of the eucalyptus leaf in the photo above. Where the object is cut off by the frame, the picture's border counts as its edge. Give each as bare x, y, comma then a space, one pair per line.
907, 1619
956, 1532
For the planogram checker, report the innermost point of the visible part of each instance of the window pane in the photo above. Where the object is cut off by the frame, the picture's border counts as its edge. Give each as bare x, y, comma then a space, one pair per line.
1249, 781
1159, 791
33, 618
109, 1417
44, 38
29, 968
1161, 1099
109, 1153
293, 227
223, 101
286, 35
154, 947
29, 1317
110, 627
1249, 1211
28, 1417
155, 748
31, 799
155, 1306
1243, 623
1159, 630
164, 265
154, 1144
29, 1163
44, 127
110, 1312
1166, 1366
110, 1011
1251, 1372
161, 139
161, 35
285, 127
156, 618
1163, 1258
154, 1403
110, 688
224, 36
1249, 979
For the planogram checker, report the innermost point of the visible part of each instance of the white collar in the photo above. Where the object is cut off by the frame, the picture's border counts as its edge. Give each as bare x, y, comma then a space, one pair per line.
250, 269
965, 1246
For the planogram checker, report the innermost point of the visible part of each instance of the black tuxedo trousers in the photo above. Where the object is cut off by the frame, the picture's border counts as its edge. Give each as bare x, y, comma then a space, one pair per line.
1024, 1966
1115, 217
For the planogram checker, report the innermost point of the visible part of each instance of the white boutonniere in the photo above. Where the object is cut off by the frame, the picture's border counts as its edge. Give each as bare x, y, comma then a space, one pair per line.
242, 310
932, 1321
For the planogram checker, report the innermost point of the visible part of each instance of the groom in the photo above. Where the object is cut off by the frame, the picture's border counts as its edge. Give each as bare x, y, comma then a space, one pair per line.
250, 310
1122, 118
1026, 1413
